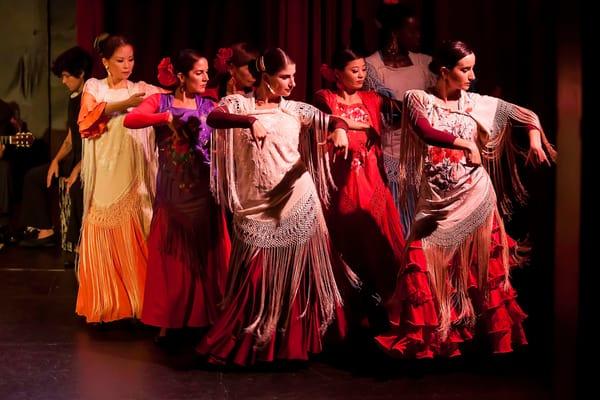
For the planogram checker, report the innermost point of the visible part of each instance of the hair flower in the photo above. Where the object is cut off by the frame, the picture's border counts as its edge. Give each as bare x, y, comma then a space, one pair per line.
223, 58
166, 73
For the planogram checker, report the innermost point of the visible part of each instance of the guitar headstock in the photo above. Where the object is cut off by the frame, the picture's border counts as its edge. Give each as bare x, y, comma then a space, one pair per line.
22, 139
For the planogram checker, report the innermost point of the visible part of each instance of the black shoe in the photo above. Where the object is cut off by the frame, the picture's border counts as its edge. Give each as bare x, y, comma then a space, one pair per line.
16, 236
35, 242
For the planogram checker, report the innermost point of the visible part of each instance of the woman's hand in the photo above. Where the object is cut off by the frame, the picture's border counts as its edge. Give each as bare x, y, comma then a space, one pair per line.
473, 155
259, 133
471, 150
537, 155
355, 125
339, 138
135, 99
171, 123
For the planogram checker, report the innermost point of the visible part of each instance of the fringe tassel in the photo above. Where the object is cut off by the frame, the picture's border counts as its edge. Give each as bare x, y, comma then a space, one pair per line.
285, 271
412, 158
449, 269
500, 153
316, 156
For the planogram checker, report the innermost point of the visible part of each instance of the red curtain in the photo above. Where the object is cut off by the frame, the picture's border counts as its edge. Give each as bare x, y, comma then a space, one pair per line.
309, 30
89, 24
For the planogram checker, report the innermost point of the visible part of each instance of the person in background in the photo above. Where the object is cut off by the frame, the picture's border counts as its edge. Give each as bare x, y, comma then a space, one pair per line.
233, 74
8, 128
73, 67
392, 70
13, 165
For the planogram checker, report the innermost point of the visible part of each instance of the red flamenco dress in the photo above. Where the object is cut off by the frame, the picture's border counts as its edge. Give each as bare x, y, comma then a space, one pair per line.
362, 218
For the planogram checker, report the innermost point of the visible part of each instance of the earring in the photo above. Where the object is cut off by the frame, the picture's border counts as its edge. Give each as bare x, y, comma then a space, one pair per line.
269, 88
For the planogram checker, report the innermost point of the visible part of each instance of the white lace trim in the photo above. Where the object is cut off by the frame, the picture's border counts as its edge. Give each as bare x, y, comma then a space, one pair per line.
297, 227
459, 232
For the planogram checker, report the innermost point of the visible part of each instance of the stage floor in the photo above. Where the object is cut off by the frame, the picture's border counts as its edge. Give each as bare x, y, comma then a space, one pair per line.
47, 352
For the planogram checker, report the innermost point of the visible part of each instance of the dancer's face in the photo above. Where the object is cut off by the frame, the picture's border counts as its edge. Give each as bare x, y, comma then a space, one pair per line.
462, 74
242, 77
409, 35
196, 79
283, 82
120, 64
352, 77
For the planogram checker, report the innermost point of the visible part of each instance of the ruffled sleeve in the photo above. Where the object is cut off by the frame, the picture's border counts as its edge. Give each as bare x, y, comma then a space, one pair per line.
92, 121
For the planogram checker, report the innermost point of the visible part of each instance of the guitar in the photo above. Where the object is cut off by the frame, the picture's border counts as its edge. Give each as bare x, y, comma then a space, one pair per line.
20, 139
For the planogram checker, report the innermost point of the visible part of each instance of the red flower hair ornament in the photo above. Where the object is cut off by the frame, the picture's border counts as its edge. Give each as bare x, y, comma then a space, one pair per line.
223, 58
166, 73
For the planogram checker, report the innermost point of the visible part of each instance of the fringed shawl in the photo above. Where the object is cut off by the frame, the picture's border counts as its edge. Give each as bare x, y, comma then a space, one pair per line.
102, 132
495, 119
313, 152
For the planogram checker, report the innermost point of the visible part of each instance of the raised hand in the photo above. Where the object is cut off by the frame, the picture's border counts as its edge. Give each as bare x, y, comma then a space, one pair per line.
135, 99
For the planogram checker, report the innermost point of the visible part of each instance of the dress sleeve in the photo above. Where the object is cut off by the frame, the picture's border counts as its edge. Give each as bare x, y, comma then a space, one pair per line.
92, 121
146, 114
373, 82
336, 123
421, 125
221, 118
